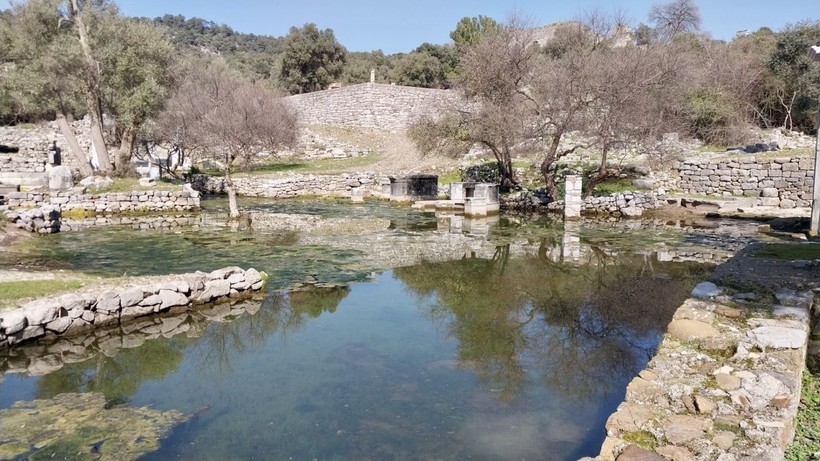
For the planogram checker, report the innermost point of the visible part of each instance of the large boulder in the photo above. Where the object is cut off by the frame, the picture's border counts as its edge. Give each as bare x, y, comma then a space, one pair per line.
59, 178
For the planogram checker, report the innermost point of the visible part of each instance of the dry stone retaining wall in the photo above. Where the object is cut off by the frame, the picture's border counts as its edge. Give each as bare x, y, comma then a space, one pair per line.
113, 202
43, 220
783, 182
289, 186
724, 384
370, 105
77, 312
627, 204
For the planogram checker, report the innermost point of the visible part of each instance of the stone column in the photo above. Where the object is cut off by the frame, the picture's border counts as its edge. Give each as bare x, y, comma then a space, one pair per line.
572, 198
372, 75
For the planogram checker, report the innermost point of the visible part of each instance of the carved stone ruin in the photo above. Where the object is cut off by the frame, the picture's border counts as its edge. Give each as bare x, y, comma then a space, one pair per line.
414, 188
572, 198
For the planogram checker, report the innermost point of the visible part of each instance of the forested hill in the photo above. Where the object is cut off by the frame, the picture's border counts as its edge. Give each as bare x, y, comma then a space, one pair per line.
254, 54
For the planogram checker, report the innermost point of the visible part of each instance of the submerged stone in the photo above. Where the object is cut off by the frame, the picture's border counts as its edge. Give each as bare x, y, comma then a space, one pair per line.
705, 290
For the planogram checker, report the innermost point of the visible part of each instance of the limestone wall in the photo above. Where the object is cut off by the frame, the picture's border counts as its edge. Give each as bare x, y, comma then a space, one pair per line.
784, 182
113, 202
626, 204
370, 105
34, 143
77, 312
288, 186
44, 220
724, 384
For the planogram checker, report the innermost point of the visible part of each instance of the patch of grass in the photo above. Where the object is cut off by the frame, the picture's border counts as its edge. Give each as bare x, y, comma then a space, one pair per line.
784, 153
130, 184
734, 428
613, 186
806, 444
790, 251
643, 439
10, 292
447, 178
321, 166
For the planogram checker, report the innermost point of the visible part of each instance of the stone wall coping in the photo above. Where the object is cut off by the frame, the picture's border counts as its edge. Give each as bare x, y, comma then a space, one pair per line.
74, 313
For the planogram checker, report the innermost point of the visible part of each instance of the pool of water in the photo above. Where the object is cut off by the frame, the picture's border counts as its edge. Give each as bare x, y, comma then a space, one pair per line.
511, 351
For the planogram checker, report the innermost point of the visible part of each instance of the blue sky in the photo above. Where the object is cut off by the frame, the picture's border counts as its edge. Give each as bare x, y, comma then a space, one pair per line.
400, 26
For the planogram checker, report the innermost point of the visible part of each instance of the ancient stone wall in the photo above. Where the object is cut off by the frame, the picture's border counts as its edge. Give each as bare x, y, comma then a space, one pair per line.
370, 105
626, 204
113, 202
78, 312
289, 186
43, 220
784, 182
724, 384
33, 144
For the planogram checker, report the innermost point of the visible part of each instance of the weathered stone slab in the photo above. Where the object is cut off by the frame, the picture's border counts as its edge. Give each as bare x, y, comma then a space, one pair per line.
680, 429
778, 337
170, 299
41, 311
131, 297
686, 330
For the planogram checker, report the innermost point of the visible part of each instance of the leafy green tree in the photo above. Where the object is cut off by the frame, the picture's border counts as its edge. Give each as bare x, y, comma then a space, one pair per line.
358, 66
139, 68
429, 66
797, 78
75, 58
312, 59
468, 31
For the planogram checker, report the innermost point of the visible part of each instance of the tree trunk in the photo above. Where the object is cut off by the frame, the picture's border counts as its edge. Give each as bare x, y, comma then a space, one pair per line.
229, 187
600, 175
126, 147
74, 146
92, 99
549, 176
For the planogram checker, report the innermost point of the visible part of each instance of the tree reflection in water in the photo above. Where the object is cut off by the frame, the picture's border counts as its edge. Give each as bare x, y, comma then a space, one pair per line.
119, 374
583, 324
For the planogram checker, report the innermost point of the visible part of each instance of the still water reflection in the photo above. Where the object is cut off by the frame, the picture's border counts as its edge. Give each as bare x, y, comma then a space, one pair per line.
500, 357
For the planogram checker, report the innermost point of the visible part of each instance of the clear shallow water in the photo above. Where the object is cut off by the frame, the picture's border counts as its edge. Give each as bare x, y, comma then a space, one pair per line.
497, 357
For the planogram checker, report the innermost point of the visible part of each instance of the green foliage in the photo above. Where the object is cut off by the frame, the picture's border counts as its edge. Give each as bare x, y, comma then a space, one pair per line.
806, 444
484, 172
790, 251
708, 115
468, 31
429, 66
797, 77
312, 59
253, 55
357, 68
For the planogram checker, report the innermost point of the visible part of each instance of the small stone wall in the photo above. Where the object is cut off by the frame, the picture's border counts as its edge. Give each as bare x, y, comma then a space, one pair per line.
784, 182
289, 186
43, 220
114, 202
74, 313
724, 385
626, 204
24, 161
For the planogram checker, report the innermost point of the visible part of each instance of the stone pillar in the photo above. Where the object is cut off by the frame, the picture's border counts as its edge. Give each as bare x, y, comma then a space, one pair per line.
814, 229
372, 75
572, 198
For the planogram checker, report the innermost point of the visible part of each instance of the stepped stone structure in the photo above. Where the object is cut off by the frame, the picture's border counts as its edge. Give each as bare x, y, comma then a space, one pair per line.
370, 105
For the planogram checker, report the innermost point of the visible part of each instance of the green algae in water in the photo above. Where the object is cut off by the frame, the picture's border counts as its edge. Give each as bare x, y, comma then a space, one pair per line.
80, 427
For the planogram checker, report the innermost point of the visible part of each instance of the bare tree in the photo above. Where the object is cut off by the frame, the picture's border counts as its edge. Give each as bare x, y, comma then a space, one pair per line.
675, 17
220, 112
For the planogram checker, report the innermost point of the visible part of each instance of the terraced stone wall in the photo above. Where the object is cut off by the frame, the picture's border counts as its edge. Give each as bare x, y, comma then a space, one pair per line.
114, 202
370, 105
785, 182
